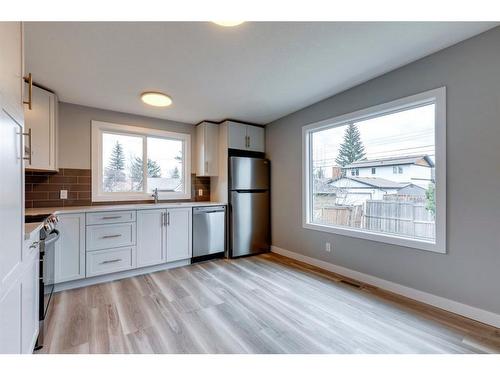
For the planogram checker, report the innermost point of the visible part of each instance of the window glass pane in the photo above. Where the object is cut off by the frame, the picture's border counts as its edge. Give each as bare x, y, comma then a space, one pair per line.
377, 174
119, 160
165, 165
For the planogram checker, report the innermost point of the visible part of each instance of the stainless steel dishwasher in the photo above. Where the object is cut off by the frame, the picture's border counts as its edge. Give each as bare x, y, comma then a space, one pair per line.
209, 232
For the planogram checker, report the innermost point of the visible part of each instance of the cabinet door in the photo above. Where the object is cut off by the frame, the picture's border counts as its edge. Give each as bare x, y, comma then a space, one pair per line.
207, 145
10, 320
11, 199
11, 69
200, 150
256, 140
70, 248
41, 120
29, 304
151, 240
179, 234
212, 149
236, 134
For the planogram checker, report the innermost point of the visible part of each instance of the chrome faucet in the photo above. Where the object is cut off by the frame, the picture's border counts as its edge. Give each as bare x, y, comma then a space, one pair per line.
155, 195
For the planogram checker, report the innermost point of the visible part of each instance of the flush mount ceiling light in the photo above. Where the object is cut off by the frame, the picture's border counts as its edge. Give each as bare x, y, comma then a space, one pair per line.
156, 99
228, 23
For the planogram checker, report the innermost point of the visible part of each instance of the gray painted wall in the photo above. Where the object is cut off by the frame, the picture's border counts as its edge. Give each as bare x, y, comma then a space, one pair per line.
74, 131
470, 272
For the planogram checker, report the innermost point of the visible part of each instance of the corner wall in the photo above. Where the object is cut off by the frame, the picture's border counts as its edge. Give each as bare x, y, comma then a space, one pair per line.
470, 271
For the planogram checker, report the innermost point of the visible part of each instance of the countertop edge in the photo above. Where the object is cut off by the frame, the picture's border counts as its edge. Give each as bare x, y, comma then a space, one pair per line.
32, 227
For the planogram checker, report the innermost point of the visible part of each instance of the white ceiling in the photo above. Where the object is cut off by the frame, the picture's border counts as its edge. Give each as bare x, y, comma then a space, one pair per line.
256, 72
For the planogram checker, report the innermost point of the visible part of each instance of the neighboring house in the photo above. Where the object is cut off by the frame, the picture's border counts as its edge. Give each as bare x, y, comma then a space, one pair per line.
417, 170
356, 190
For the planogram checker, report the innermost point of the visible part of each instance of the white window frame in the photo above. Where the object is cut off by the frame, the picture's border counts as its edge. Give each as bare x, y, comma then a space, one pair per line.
436, 96
99, 127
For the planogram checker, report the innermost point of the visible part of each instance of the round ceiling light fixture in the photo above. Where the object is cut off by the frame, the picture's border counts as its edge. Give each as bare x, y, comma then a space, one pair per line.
156, 99
228, 23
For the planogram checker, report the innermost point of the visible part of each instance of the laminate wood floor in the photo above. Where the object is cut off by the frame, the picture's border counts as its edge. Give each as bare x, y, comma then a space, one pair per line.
261, 304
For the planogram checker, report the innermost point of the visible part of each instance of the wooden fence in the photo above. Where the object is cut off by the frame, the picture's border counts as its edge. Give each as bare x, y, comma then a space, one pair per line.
406, 218
350, 216
396, 217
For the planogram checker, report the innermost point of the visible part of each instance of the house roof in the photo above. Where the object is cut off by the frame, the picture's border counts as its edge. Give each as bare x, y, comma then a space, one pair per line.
377, 182
400, 160
324, 186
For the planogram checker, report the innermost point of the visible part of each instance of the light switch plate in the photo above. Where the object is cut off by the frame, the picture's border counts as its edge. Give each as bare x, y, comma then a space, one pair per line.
63, 194
200, 192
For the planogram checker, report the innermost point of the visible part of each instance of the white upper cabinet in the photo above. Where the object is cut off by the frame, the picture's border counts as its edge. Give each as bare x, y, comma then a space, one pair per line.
207, 149
41, 121
179, 233
245, 137
11, 69
237, 135
255, 139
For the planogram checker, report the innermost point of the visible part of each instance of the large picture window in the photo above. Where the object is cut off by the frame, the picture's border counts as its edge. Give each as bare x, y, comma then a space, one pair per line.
129, 162
379, 173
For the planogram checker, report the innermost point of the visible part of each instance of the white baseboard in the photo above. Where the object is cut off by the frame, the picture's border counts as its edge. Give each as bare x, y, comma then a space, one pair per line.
471, 312
118, 275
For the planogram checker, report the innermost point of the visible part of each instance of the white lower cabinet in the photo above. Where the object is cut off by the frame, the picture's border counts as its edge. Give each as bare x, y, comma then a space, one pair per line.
19, 310
10, 320
151, 237
70, 248
29, 303
90, 247
179, 233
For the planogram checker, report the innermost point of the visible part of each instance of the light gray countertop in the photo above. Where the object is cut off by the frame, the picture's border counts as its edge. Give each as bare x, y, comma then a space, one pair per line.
29, 228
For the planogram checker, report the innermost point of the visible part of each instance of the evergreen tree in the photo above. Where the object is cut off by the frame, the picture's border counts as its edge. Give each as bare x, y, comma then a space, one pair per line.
154, 170
175, 173
352, 148
114, 174
430, 195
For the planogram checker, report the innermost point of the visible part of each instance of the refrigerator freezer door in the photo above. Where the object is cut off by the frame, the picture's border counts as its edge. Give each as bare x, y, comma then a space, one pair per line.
249, 173
250, 223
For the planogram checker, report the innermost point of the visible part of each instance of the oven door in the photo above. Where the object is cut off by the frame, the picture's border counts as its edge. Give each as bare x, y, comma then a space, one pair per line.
48, 268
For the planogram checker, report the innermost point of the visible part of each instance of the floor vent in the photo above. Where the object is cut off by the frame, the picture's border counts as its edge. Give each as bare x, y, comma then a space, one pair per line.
351, 283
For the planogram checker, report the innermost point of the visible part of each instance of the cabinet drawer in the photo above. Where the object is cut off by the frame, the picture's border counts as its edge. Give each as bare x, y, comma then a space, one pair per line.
110, 260
110, 217
110, 235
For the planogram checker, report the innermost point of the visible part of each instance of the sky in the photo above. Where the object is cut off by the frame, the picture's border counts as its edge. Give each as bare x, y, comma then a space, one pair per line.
409, 132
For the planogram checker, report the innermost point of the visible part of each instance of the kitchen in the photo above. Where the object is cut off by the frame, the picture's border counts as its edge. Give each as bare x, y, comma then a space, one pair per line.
166, 216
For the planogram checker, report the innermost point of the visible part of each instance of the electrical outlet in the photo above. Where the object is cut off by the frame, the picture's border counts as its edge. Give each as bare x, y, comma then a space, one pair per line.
200, 192
63, 194
328, 247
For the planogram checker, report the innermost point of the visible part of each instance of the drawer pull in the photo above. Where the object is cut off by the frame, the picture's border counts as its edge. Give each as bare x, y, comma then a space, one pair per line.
110, 261
112, 236
111, 217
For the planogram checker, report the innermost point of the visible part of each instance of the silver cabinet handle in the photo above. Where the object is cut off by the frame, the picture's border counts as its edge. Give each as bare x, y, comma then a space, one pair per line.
112, 236
248, 137
110, 217
168, 218
110, 261
162, 219
27, 150
29, 80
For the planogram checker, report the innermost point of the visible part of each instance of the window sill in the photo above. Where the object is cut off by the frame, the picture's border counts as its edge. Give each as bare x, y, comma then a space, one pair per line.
379, 237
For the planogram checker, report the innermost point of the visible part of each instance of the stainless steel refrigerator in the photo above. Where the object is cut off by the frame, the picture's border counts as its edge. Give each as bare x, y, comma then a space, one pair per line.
249, 205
